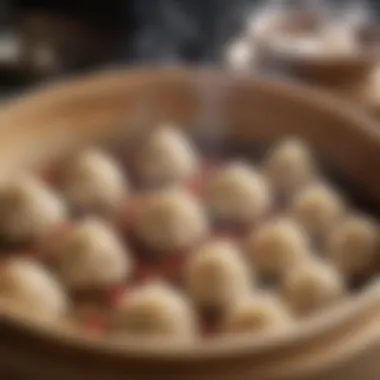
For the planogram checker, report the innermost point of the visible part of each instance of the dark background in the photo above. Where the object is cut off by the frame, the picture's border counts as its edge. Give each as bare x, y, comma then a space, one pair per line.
58, 37
128, 31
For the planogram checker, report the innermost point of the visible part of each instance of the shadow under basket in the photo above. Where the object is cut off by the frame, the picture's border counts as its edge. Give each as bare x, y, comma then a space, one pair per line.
43, 128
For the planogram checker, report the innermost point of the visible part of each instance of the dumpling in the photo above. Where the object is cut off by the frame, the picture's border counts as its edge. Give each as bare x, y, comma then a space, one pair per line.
312, 286
216, 275
277, 246
289, 166
170, 220
29, 210
92, 256
154, 310
95, 183
29, 288
317, 208
352, 246
257, 313
167, 157
238, 194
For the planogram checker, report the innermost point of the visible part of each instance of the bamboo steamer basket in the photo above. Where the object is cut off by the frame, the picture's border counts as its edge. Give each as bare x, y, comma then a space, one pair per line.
38, 129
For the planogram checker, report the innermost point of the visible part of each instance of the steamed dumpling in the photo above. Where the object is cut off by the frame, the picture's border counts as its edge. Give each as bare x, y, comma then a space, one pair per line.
92, 256
317, 208
95, 183
289, 166
29, 288
238, 194
216, 275
277, 246
170, 220
29, 210
312, 286
154, 310
257, 314
167, 157
353, 245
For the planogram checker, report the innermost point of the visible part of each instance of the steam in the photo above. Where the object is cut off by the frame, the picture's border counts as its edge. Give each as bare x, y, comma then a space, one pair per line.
240, 55
211, 93
168, 28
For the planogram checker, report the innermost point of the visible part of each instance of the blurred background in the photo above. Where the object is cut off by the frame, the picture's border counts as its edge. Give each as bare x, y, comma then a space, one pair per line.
41, 40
